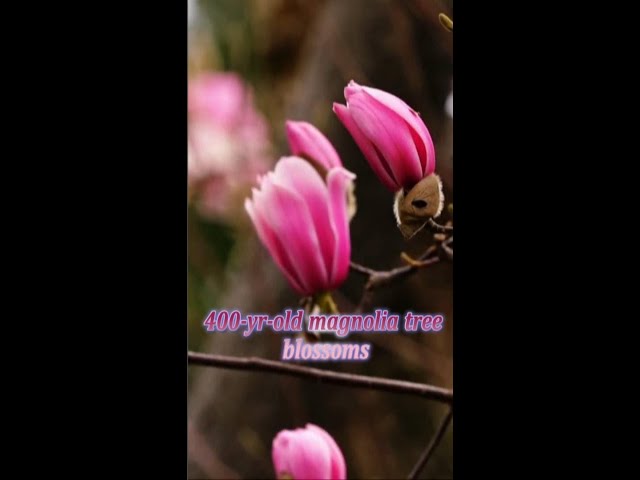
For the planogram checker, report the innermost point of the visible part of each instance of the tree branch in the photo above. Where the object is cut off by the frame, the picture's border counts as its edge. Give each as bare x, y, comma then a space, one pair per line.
356, 267
424, 458
446, 247
324, 376
380, 278
437, 228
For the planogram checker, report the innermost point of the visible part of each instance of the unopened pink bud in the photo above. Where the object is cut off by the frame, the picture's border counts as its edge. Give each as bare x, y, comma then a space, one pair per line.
391, 135
308, 453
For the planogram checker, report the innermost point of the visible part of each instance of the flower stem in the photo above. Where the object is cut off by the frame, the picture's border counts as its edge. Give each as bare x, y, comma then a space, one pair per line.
326, 303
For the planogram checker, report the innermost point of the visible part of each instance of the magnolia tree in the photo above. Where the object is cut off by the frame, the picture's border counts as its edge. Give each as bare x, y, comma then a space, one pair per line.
301, 210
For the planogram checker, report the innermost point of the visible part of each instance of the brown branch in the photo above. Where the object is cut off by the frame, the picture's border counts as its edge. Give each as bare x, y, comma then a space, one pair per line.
437, 228
326, 376
380, 278
424, 458
361, 269
383, 278
448, 251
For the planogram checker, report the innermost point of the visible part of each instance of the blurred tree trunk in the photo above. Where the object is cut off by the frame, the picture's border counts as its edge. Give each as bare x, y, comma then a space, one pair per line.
400, 47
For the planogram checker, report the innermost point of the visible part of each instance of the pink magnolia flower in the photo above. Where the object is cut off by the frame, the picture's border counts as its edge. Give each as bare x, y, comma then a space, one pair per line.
307, 141
303, 221
307, 453
228, 141
390, 134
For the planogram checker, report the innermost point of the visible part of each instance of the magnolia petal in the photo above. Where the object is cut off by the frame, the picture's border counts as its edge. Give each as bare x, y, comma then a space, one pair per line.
300, 177
275, 247
302, 454
306, 140
338, 465
390, 134
288, 214
339, 181
422, 136
377, 163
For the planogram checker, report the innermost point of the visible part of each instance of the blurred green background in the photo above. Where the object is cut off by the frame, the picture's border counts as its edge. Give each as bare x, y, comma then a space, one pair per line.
296, 56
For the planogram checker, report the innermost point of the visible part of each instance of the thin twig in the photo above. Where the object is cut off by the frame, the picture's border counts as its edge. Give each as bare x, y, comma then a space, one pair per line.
361, 269
424, 458
383, 278
379, 278
327, 376
446, 247
436, 227
413, 262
